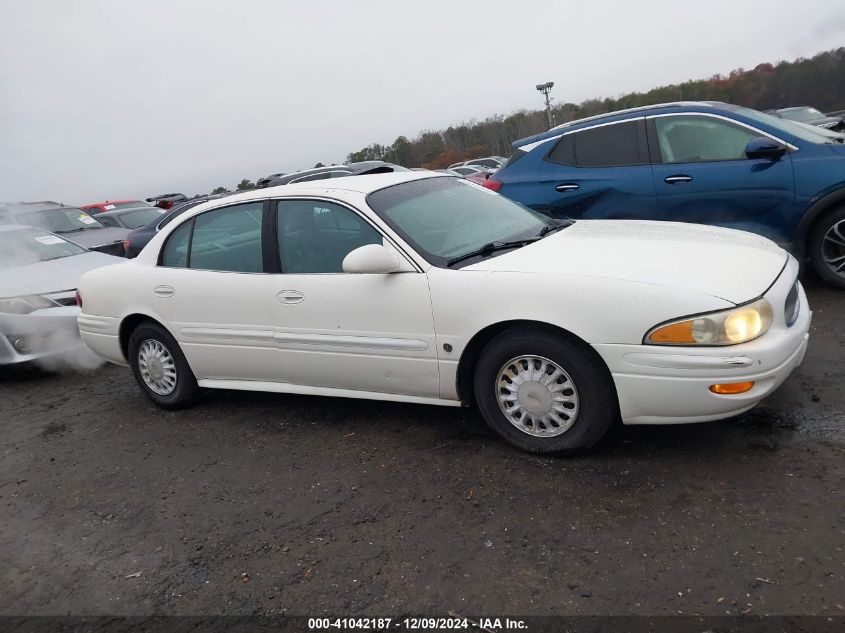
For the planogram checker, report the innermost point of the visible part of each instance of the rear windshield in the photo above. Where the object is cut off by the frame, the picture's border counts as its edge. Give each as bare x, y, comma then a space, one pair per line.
132, 204
62, 220
31, 246
803, 115
141, 217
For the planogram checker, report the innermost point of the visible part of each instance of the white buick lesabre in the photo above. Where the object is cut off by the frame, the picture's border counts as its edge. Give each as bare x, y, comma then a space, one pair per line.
418, 287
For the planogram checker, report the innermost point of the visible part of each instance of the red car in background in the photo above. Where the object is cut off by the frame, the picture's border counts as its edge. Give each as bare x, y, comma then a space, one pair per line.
111, 205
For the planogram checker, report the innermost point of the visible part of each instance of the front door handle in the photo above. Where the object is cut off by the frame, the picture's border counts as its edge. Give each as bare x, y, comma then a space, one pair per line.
673, 180
164, 291
290, 296
567, 186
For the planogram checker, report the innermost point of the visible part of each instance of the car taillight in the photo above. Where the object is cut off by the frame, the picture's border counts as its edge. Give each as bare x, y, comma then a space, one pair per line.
78, 299
490, 183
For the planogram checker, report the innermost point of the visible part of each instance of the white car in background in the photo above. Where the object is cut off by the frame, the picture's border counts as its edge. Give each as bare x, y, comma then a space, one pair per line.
420, 287
39, 272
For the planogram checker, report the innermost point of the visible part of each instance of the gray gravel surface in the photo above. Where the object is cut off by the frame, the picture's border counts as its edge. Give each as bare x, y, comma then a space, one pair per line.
259, 503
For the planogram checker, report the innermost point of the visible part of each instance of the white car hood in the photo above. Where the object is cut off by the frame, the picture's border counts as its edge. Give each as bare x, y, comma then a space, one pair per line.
732, 265
51, 276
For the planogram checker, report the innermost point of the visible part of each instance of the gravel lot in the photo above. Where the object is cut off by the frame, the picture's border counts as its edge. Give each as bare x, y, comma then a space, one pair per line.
253, 503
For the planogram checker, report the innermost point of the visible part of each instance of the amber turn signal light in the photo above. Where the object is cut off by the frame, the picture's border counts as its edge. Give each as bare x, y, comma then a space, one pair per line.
732, 388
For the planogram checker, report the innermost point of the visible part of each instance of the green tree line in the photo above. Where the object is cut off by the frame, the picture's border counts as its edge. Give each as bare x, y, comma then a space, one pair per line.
818, 81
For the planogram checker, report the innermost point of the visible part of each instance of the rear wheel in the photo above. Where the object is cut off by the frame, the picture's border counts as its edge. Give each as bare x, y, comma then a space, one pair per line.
160, 367
544, 393
827, 247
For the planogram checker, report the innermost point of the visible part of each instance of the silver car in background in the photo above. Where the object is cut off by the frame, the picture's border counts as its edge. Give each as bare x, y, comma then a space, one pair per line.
39, 272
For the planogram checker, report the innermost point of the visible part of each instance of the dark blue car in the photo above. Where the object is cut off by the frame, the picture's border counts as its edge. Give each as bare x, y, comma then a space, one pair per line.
704, 162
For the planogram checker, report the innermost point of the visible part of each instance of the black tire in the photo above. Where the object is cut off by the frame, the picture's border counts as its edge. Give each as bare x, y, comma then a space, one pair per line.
186, 390
596, 394
818, 248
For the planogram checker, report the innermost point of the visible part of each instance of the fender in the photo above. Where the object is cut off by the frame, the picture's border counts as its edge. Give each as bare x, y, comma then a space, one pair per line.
799, 244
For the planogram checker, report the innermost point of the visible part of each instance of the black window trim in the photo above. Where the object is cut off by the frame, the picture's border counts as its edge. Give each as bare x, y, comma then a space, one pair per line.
192, 220
274, 231
654, 146
642, 144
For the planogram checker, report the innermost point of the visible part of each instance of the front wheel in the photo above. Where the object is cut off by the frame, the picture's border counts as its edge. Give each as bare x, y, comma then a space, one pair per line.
544, 393
827, 248
160, 367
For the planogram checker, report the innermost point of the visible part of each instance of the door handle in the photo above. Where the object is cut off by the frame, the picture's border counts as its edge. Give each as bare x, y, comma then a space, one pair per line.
567, 186
290, 296
163, 291
672, 180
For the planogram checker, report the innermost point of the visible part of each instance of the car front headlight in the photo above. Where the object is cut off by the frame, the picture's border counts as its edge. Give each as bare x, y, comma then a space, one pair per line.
726, 327
25, 305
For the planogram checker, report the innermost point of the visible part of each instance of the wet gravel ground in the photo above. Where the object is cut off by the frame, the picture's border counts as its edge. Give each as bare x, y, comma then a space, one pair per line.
258, 503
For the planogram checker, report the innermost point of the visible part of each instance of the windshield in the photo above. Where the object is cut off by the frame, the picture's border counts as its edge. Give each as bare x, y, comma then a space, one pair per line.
446, 217
141, 217
789, 127
61, 220
802, 114
30, 246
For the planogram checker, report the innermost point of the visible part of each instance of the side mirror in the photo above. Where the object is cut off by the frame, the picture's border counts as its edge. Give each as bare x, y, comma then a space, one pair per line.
371, 259
763, 147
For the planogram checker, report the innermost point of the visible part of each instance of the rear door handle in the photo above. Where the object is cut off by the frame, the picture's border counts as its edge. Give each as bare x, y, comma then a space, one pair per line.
567, 186
290, 296
163, 291
673, 180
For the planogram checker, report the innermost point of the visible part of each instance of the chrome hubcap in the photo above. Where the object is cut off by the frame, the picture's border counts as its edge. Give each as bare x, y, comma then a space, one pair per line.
157, 367
537, 396
833, 248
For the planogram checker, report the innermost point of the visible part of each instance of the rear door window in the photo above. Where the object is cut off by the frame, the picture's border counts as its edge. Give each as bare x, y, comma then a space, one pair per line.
227, 240
611, 145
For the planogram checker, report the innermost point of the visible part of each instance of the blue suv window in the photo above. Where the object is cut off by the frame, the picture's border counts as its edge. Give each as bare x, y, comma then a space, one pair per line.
613, 145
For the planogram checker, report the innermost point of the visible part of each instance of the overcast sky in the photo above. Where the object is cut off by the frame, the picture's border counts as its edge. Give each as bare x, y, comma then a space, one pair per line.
129, 98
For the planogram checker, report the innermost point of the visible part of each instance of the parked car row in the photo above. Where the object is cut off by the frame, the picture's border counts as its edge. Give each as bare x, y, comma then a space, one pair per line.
428, 287
330, 171
811, 116
72, 223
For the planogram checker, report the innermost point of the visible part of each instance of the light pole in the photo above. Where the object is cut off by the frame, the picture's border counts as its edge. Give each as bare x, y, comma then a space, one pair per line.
546, 88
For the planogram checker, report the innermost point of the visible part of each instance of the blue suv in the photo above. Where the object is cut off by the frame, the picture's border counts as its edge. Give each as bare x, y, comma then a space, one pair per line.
705, 162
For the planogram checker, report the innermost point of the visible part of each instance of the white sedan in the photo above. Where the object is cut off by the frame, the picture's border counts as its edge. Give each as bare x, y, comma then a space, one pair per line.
419, 287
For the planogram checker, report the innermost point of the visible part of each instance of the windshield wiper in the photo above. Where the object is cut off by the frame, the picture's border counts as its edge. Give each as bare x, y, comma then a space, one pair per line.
554, 226
490, 248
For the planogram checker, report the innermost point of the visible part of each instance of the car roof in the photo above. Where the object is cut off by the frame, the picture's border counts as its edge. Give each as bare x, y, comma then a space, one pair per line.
15, 227
117, 212
21, 209
365, 184
105, 202
618, 115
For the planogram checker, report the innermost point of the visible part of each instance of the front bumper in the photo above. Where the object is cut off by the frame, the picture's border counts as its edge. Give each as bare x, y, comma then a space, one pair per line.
671, 385
40, 335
